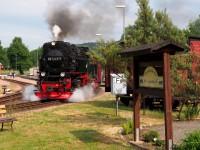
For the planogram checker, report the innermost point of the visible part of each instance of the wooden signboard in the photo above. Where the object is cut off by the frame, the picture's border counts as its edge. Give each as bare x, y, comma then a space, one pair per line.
148, 77
151, 76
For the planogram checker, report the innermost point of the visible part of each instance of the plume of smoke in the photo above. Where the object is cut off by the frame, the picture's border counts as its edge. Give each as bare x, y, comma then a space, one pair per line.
82, 19
56, 30
28, 93
82, 94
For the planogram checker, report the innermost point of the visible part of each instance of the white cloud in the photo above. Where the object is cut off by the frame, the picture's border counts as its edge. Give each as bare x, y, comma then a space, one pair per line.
23, 7
181, 11
26, 18
32, 37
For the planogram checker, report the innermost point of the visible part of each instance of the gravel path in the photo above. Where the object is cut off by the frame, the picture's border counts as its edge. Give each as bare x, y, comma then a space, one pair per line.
180, 129
13, 86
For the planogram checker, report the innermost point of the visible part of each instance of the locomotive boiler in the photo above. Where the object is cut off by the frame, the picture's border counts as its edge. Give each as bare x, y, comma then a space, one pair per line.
63, 67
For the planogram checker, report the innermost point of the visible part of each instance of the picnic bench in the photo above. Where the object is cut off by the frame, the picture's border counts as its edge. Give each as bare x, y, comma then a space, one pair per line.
4, 119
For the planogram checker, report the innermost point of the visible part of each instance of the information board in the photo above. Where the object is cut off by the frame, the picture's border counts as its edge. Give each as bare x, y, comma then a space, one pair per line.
150, 77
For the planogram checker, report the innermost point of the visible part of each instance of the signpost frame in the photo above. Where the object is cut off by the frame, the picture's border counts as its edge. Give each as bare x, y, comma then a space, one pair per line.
156, 56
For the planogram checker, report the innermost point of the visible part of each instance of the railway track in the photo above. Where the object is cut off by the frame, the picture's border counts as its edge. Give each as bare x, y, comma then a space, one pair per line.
15, 103
18, 82
28, 105
15, 97
11, 98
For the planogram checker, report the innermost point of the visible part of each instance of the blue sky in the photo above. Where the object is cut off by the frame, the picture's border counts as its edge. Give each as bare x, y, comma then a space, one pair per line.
27, 19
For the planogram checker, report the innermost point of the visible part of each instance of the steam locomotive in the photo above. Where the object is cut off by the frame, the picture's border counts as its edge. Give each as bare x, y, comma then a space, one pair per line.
64, 67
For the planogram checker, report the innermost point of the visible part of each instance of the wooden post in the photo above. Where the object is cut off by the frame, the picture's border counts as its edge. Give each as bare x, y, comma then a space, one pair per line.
117, 104
136, 116
168, 103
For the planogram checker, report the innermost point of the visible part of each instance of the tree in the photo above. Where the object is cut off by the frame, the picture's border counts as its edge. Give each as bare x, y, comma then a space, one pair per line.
35, 56
150, 27
166, 30
185, 76
106, 53
194, 27
142, 32
18, 55
3, 56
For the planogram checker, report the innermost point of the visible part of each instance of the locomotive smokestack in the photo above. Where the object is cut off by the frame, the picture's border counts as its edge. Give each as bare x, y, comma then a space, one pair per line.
83, 19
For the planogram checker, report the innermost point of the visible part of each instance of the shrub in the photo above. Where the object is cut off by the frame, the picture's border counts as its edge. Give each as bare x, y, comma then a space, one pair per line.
127, 127
151, 136
191, 112
159, 142
191, 141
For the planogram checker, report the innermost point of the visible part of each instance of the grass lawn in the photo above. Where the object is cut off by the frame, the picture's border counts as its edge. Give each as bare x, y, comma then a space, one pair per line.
88, 125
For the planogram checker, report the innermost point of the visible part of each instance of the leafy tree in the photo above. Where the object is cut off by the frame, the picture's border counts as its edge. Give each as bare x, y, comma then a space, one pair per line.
166, 30
3, 56
142, 32
194, 27
106, 53
150, 27
35, 56
18, 55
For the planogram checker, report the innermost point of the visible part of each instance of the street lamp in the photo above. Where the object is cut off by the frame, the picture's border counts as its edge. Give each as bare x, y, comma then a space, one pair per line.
123, 10
16, 61
99, 35
37, 58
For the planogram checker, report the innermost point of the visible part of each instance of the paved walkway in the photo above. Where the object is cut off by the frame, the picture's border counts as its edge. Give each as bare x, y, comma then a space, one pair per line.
13, 86
180, 129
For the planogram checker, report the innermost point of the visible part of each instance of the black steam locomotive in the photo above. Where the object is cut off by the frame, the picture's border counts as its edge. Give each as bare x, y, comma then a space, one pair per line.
63, 68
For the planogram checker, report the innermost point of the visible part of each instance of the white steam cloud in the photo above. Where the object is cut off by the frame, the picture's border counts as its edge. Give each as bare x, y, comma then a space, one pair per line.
56, 31
28, 93
82, 94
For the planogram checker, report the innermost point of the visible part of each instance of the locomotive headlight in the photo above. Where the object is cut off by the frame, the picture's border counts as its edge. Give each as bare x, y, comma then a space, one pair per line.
43, 74
62, 74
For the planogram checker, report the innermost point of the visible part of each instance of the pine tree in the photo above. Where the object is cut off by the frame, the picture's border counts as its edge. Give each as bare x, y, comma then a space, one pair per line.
142, 32
150, 27
166, 30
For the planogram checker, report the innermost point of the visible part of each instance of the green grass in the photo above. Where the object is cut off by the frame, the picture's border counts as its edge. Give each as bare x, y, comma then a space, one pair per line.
81, 126
90, 125
153, 113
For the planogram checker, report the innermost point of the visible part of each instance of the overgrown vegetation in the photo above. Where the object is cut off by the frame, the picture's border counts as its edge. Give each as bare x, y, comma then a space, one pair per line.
151, 136
191, 111
154, 138
191, 141
185, 75
127, 127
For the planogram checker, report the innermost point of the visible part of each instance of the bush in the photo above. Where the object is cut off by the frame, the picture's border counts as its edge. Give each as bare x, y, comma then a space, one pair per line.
159, 142
151, 136
192, 141
191, 112
127, 127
